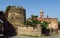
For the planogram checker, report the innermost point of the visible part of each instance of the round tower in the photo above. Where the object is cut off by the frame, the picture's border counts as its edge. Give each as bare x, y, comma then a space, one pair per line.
41, 14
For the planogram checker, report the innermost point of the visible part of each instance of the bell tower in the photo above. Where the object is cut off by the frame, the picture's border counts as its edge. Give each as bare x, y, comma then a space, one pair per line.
41, 14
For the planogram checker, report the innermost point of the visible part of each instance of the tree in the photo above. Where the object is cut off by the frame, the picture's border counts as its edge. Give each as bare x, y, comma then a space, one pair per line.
27, 23
8, 8
59, 25
32, 21
44, 25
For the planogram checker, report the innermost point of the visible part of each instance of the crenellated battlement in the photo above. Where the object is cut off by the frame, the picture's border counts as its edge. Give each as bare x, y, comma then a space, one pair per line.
16, 7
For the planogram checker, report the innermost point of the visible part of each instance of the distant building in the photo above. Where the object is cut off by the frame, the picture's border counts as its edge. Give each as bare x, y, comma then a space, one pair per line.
53, 21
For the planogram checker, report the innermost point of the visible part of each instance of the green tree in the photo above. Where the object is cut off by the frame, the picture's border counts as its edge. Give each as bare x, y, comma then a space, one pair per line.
8, 8
27, 23
59, 25
32, 21
44, 25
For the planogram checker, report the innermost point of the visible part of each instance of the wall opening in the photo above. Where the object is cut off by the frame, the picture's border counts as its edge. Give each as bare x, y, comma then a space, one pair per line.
1, 27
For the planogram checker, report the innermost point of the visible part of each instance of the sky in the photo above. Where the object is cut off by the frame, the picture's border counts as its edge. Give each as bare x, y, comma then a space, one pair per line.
33, 7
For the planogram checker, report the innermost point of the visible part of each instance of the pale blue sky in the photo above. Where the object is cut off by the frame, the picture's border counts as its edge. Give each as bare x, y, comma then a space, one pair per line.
50, 7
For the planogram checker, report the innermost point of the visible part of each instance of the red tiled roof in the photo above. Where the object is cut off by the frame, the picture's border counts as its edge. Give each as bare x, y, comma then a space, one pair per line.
40, 19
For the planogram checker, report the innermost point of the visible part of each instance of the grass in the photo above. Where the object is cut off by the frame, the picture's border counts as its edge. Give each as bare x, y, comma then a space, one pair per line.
29, 35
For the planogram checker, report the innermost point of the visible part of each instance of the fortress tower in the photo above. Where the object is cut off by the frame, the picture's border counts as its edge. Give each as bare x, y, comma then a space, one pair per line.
16, 15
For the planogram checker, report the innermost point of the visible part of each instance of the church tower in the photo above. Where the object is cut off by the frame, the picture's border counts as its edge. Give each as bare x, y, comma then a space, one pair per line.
41, 14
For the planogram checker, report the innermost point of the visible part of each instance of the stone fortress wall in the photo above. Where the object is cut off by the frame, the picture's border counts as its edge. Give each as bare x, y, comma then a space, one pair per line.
29, 31
17, 15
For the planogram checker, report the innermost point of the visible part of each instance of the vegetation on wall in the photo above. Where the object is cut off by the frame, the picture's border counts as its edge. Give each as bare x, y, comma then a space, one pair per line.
33, 22
44, 24
44, 27
8, 8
